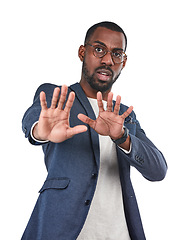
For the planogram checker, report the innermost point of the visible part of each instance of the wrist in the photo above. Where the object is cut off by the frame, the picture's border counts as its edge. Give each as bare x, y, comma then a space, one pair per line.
35, 135
120, 135
123, 137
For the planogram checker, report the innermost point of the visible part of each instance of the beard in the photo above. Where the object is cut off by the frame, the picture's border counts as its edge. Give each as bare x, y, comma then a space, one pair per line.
96, 83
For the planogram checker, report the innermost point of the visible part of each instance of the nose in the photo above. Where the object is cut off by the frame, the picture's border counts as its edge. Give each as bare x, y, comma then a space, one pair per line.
107, 59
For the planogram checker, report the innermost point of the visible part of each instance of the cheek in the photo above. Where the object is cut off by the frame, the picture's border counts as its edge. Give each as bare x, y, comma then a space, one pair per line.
118, 70
91, 63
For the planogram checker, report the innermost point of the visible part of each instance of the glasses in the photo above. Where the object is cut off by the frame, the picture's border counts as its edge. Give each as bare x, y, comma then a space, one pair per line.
117, 55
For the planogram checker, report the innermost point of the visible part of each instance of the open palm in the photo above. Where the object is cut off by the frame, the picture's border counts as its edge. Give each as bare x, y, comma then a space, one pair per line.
53, 122
109, 122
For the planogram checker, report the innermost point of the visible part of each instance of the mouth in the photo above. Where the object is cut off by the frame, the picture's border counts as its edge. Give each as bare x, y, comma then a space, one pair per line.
104, 74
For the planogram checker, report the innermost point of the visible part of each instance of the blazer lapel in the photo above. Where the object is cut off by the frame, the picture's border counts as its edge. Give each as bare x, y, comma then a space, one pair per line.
80, 95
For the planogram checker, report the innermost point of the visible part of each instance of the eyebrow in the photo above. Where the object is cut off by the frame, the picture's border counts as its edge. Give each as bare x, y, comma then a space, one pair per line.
103, 44
99, 42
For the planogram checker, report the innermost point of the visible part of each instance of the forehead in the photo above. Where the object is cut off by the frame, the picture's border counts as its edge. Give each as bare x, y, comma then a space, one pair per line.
111, 39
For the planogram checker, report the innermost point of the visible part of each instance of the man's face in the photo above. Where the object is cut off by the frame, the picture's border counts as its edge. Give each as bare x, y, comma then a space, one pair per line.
101, 73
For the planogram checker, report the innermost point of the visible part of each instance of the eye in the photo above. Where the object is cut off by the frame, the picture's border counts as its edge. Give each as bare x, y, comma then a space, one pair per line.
117, 54
99, 49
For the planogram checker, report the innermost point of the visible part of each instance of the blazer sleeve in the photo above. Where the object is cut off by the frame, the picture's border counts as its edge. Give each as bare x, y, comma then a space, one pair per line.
32, 114
144, 155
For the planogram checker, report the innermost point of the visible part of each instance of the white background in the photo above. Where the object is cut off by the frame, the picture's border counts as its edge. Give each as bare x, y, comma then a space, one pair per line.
39, 43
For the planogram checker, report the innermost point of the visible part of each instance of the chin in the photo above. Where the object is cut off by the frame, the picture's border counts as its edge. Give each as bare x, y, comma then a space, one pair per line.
100, 85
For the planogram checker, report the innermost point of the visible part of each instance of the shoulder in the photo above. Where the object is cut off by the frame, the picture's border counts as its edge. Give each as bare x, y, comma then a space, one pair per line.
48, 88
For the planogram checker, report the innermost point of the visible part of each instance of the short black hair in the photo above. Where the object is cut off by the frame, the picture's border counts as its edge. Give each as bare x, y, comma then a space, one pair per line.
109, 25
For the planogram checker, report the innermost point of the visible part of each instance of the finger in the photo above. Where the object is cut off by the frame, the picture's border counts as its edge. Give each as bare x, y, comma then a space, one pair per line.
62, 98
87, 120
117, 105
126, 113
55, 97
76, 130
43, 101
110, 102
69, 103
99, 101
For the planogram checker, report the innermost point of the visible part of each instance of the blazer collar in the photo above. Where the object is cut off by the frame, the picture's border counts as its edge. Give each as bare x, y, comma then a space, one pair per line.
80, 95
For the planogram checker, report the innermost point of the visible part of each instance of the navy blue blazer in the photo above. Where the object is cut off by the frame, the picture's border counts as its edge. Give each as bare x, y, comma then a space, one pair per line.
73, 167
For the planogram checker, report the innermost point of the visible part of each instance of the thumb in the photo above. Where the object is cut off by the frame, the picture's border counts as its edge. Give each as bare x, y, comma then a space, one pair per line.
76, 130
86, 120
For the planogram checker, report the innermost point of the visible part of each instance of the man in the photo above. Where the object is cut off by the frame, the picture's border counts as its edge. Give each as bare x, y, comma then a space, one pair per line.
90, 142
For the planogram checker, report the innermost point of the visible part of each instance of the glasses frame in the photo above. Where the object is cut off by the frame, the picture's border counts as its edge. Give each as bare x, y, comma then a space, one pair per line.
111, 52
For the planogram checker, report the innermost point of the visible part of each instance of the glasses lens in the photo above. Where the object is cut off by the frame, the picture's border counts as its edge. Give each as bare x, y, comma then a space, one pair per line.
118, 56
99, 51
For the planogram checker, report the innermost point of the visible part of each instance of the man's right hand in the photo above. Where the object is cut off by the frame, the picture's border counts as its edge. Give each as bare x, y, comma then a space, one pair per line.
53, 122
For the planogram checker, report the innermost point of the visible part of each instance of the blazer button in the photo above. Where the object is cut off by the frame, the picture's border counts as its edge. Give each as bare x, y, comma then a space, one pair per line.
94, 175
87, 202
137, 157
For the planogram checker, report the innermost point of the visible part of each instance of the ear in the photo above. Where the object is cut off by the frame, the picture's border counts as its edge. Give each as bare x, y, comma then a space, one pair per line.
81, 52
